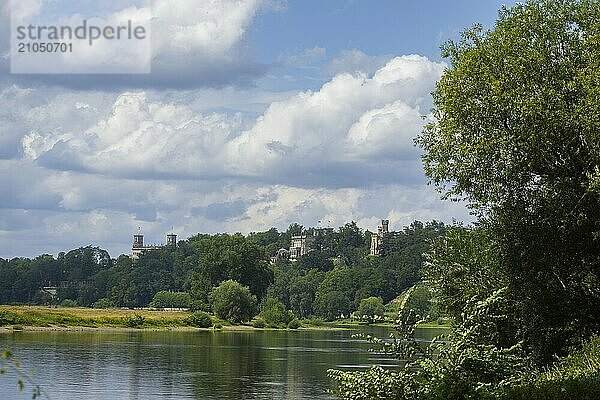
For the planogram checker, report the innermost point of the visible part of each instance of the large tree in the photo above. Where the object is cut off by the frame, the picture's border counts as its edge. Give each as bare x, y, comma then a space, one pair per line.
517, 135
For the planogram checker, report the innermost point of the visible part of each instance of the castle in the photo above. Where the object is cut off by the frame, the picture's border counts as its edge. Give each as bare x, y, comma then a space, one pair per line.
302, 244
377, 238
138, 248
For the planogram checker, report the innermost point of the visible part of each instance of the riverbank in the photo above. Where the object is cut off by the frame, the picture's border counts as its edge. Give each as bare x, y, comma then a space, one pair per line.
43, 318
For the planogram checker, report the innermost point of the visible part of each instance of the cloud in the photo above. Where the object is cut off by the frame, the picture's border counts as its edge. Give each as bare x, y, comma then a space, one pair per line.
349, 125
90, 166
354, 60
193, 44
356, 131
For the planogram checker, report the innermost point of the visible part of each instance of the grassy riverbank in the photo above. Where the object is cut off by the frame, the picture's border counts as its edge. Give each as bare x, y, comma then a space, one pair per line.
78, 318
18, 317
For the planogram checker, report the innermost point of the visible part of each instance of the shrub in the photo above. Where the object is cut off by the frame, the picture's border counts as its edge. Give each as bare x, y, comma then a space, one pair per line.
68, 303
370, 309
294, 324
134, 321
275, 314
233, 302
217, 326
103, 303
198, 305
166, 299
259, 323
4, 318
315, 321
199, 319
575, 377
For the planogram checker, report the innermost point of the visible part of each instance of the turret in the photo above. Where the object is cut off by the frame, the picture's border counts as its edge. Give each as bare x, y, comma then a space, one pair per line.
171, 239
385, 225
138, 241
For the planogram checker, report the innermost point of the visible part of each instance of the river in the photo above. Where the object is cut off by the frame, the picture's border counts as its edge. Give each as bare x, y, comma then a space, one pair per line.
201, 365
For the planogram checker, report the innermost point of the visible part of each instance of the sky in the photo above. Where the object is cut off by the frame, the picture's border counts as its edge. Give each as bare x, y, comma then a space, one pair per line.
257, 114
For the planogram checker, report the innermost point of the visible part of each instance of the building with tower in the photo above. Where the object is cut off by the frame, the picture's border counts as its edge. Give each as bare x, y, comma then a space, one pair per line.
377, 238
138, 248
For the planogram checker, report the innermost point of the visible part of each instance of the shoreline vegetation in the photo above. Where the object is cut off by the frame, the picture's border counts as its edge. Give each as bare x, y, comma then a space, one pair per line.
77, 319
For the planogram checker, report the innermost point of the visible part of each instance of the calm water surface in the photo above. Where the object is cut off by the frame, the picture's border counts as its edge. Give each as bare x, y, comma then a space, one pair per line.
187, 365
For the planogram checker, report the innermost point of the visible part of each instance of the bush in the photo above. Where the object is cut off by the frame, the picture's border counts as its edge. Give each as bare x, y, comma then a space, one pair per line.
575, 377
134, 321
370, 309
315, 321
103, 303
4, 318
259, 323
166, 299
217, 326
198, 305
233, 302
199, 319
294, 324
275, 314
68, 303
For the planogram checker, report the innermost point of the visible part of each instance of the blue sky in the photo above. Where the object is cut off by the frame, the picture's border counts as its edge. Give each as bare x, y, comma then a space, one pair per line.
375, 27
256, 114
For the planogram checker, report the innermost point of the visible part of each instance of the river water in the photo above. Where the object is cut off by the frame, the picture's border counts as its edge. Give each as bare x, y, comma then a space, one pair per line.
202, 365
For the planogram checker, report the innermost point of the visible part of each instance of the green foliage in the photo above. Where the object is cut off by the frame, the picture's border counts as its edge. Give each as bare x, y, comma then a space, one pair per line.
294, 324
370, 309
199, 319
134, 321
103, 303
167, 299
234, 257
320, 260
575, 377
68, 303
8, 363
470, 365
332, 305
315, 321
198, 305
516, 135
275, 314
233, 302
419, 301
259, 323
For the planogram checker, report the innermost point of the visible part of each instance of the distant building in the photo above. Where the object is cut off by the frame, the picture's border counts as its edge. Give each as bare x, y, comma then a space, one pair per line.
302, 244
282, 254
377, 238
138, 248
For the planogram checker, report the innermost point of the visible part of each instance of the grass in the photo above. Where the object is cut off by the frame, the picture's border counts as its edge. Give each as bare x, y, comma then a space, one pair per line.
18, 317
40, 316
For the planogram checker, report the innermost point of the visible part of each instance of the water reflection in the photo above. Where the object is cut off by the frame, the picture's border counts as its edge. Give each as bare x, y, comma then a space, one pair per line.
187, 365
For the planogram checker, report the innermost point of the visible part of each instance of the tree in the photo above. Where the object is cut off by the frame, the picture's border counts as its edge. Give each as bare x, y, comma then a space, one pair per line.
517, 135
331, 305
370, 309
320, 260
235, 257
233, 302
167, 299
275, 314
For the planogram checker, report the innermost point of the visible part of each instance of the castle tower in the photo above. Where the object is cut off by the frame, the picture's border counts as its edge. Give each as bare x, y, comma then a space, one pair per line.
171, 239
385, 225
377, 239
138, 241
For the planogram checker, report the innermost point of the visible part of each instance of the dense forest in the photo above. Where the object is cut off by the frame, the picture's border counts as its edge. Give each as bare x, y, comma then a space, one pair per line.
328, 282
